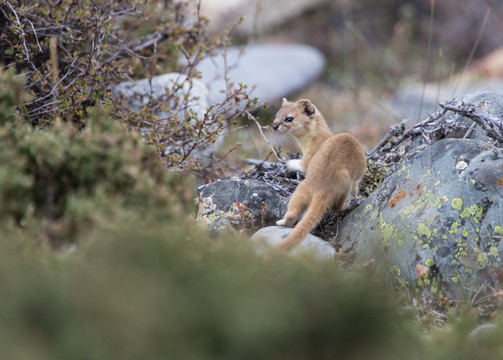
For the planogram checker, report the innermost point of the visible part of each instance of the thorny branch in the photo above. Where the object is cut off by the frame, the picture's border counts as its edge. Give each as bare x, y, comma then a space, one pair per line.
491, 125
437, 126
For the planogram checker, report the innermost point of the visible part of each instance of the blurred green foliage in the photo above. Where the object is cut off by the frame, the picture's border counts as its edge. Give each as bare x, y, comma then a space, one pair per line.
160, 292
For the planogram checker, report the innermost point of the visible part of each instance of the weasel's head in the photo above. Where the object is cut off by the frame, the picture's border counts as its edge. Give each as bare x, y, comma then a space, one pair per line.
294, 118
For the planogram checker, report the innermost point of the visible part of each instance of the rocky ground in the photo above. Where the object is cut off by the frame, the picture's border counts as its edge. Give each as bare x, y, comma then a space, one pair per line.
435, 221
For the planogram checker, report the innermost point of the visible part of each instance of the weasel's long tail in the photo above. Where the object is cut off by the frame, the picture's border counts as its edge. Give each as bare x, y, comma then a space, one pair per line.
318, 207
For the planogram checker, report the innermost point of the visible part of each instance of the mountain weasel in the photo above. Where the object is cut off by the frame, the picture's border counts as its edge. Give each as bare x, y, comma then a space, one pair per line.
334, 165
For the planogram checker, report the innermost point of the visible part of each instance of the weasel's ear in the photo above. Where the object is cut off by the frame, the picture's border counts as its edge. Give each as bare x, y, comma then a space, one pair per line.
306, 106
284, 101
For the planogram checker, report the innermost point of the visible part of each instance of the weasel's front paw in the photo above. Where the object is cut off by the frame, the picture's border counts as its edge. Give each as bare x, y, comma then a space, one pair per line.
281, 222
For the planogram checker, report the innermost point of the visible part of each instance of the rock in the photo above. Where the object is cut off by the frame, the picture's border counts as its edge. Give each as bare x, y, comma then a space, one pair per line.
482, 332
243, 205
274, 234
256, 14
437, 220
408, 104
143, 92
275, 71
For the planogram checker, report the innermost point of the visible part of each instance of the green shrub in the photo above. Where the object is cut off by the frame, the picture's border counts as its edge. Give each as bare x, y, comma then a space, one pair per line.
72, 178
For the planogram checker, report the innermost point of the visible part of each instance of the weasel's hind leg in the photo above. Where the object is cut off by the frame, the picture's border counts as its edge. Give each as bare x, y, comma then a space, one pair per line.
298, 203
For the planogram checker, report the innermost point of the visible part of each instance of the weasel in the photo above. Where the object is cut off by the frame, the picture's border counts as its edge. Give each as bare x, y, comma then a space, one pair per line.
334, 165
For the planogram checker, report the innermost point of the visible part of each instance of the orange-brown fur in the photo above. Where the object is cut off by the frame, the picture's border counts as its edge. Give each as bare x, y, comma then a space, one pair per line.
334, 165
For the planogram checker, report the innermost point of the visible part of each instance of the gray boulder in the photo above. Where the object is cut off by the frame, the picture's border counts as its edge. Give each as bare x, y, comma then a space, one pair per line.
270, 71
274, 234
437, 220
242, 205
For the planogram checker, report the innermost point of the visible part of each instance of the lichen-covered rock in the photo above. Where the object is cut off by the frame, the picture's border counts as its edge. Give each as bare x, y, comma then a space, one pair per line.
242, 205
437, 220
312, 244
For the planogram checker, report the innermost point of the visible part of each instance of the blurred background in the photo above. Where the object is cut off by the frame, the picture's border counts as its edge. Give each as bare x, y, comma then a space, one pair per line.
385, 60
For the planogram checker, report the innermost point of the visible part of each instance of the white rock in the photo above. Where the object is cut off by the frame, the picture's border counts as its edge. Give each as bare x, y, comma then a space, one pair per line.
275, 71
142, 92
274, 234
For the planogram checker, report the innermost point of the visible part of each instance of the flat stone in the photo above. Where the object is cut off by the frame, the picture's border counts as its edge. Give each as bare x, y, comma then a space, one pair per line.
270, 71
274, 234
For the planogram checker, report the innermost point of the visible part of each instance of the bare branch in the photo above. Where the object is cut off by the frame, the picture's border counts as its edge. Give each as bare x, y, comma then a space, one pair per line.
251, 117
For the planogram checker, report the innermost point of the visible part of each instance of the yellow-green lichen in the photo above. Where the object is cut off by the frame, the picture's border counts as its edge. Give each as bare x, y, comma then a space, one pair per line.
473, 210
212, 218
390, 236
457, 204
422, 229
462, 248
396, 270
374, 214
437, 183
386, 233
367, 208
429, 262
455, 279
494, 251
498, 230
454, 228
465, 233
482, 260
428, 198
434, 286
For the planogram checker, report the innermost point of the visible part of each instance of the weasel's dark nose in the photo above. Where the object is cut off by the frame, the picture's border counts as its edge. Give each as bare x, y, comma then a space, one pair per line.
275, 126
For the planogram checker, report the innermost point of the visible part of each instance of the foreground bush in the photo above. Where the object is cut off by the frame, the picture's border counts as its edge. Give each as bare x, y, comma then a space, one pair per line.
159, 292
163, 294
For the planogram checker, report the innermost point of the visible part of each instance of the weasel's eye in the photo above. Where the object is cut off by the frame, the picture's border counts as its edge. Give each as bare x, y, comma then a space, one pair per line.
289, 119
